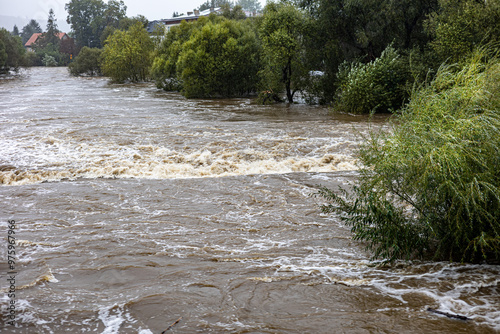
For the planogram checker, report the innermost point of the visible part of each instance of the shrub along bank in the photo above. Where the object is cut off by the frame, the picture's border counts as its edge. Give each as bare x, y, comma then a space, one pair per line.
431, 188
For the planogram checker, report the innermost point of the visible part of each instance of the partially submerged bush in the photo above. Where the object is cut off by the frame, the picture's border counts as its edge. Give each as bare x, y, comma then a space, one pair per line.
87, 62
127, 55
376, 86
432, 186
48, 60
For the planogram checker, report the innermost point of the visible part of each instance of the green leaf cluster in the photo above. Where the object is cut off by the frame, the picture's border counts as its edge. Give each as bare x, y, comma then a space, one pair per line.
88, 62
11, 51
459, 27
431, 187
211, 57
379, 85
49, 61
90, 18
127, 55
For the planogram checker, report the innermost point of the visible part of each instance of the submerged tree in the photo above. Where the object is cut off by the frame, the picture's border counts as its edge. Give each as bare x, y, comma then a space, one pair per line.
88, 62
281, 31
127, 55
219, 59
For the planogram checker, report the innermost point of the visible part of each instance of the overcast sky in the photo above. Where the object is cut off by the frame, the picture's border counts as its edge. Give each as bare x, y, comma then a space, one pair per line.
39, 9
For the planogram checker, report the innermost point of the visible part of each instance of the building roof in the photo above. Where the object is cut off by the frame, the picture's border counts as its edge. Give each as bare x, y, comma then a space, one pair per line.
190, 16
36, 35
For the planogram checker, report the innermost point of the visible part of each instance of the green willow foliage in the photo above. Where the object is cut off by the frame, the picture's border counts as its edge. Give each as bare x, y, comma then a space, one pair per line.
460, 26
431, 188
376, 86
281, 30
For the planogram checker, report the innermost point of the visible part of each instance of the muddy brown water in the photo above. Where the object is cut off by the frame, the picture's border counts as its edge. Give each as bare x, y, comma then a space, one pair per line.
138, 210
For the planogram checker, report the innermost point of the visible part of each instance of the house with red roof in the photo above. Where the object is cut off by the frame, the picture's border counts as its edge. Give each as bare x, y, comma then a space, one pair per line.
30, 44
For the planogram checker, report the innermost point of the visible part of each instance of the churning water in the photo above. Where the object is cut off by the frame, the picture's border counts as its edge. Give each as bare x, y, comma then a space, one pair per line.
138, 211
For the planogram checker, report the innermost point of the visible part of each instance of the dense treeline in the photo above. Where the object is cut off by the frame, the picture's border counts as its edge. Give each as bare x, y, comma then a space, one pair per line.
339, 51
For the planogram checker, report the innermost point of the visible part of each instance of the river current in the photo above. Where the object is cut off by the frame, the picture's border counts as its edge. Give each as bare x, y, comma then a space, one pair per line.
139, 211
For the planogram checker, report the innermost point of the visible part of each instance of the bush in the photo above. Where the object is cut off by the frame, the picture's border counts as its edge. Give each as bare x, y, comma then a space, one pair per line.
127, 55
87, 62
48, 60
220, 59
432, 185
376, 86
164, 70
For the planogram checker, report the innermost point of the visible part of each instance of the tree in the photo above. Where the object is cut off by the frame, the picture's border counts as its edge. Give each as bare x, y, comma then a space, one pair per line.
51, 34
28, 30
87, 62
123, 24
461, 26
11, 51
219, 59
281, 31
164, 70
86, 19
250, 5
114, 12
379, 85
127, 55
353, 30
235, 13
213, 4
15, 31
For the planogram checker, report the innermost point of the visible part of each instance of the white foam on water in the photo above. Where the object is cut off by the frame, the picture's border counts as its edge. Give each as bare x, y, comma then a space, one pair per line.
50, 158
112, 322
452, 288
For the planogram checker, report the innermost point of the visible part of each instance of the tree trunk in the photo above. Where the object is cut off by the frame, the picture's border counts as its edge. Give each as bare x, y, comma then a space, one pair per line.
288, 81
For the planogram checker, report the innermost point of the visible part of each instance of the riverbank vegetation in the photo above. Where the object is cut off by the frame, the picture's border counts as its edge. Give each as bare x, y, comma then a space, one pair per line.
431, 187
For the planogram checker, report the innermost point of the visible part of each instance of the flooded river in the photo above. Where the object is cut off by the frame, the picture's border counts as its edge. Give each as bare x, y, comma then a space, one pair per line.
138, 211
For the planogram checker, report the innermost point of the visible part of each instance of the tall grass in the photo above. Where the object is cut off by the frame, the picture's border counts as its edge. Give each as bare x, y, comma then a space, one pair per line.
431, 187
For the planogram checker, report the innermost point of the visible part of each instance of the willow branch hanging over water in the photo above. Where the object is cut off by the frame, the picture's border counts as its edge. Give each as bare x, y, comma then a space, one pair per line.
431, 188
